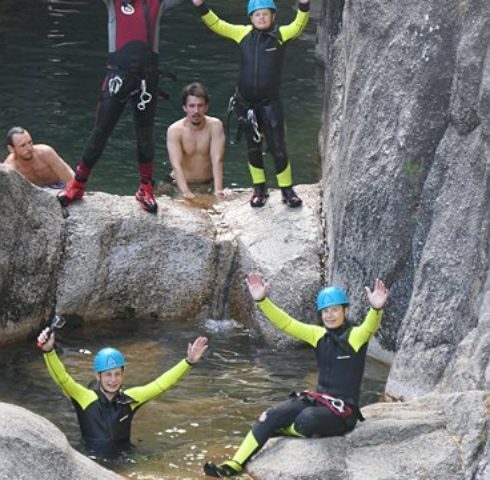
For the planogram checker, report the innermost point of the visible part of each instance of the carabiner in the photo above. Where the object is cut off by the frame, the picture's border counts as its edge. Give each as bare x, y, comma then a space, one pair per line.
145, 97
252, 120
336, 403
115, 84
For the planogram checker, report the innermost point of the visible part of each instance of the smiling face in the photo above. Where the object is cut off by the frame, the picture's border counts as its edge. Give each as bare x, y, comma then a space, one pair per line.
110, 381
262, 19
195, 109
333, 317
22, 147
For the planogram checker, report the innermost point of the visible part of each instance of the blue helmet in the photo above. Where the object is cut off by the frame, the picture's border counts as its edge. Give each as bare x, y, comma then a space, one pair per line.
330, 296
258, 4
107, 359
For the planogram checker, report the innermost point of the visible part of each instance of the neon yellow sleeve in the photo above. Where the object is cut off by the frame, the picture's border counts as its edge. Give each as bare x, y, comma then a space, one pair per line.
281, 320
225, 29
82, 395
296, 27
157, 387
365, 331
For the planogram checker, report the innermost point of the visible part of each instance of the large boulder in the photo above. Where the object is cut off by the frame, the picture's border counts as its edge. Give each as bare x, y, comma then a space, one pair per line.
282, 244
123, 264
406, 156
32, 447
106, 260
31, 247
441, 437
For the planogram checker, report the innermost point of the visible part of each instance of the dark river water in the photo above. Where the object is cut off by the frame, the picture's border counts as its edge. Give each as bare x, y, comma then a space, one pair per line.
52, 58
52, 61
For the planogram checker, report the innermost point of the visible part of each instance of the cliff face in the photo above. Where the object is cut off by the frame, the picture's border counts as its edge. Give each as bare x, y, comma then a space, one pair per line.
406, 155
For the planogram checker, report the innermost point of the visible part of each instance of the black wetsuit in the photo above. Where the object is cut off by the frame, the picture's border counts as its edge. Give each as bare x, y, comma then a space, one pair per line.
106, 424
261, 60
341, 356
133, 56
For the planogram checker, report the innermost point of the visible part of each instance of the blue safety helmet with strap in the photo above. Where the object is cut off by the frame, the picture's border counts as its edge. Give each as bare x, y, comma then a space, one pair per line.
258, 4
107, 359
330, 296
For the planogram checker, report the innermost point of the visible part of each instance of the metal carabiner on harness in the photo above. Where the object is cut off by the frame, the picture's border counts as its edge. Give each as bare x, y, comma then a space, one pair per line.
252, 121
115, 84
145, 97
231, 104
336, 403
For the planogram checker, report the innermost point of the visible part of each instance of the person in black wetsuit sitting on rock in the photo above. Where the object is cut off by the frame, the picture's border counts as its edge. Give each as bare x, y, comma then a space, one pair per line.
340, 347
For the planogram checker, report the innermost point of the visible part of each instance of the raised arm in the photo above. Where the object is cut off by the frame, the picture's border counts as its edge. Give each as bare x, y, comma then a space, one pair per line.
143, 394
364, 332
218, 26
58, 373
279, 318
296, 27
174, 148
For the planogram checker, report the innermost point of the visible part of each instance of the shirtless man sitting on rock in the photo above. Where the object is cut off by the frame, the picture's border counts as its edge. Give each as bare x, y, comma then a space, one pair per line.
40, 164
196, 145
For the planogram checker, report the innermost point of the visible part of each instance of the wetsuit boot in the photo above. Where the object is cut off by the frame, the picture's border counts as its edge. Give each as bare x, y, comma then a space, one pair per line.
290, 198
73, 191
144, 195
234, 466
259, 195
225, 469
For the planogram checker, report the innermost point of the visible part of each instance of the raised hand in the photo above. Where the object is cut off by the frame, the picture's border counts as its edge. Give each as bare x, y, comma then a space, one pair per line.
196, 350
256, 286
378, 296
45, 340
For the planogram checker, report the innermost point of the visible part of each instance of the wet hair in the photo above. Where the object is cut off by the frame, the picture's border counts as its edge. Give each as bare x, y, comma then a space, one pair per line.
195, 89
14, 131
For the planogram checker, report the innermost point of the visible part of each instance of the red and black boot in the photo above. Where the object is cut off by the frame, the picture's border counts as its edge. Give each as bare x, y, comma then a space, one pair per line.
72, 192
144, 195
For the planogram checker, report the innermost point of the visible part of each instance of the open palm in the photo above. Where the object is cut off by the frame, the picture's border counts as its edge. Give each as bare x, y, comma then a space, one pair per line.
378, 296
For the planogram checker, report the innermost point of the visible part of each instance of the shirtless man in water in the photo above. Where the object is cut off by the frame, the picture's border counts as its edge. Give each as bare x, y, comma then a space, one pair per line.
196, 144
40, 164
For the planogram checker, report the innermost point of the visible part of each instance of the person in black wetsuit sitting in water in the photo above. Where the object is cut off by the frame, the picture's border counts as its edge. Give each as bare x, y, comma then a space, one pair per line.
104, 409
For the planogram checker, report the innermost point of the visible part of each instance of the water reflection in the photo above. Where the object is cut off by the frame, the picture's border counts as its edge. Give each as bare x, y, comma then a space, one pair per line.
204, 416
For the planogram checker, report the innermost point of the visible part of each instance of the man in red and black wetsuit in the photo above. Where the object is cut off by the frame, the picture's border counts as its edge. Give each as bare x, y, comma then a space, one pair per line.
132, 74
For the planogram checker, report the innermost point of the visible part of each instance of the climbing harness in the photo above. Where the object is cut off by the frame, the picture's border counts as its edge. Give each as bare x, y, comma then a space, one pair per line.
247, 118
336, 405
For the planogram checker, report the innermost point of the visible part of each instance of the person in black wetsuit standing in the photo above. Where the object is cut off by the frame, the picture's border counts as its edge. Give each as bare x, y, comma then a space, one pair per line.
257, 102
132, 75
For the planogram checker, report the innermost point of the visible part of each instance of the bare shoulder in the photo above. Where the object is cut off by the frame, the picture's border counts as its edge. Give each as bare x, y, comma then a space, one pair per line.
46, 151
215, 124
9, 161
176, 128
214, 121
